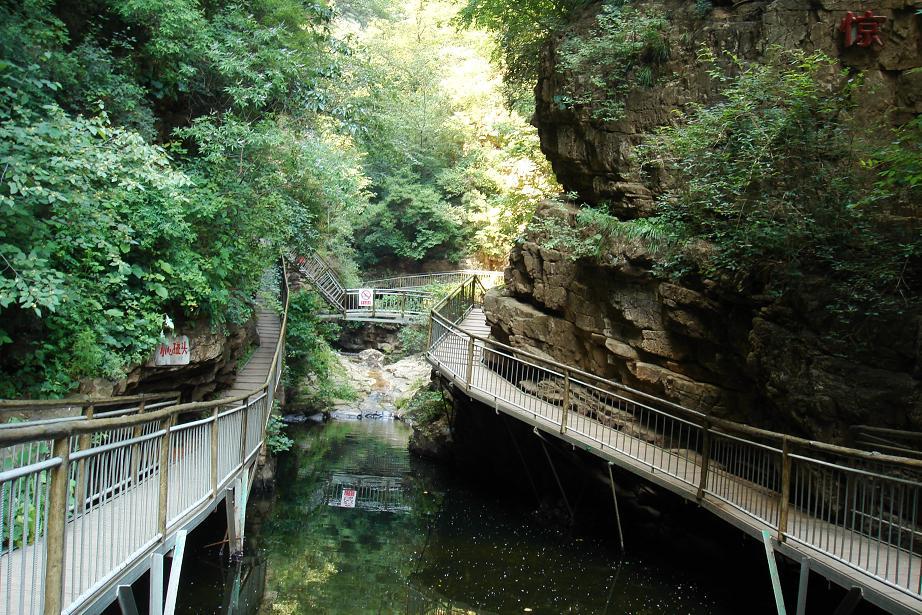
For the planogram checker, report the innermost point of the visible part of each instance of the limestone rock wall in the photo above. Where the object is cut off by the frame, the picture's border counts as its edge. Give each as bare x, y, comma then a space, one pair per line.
739, 357
594, 158
212, 365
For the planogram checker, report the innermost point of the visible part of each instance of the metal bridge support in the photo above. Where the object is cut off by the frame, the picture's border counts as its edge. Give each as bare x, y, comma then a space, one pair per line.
515, 445
614, 497
156, 585
850, 602
172, 589
773, 572
235, 506
556, 476
126, 600
802, 586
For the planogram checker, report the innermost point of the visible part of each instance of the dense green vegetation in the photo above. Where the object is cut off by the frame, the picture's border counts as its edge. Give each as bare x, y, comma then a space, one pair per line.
782, 189
624, 50
156, 157
313, 376
454, 173
522, 28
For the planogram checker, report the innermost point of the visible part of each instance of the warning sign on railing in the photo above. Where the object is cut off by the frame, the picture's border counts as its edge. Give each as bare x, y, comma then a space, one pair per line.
348, 499
366, 297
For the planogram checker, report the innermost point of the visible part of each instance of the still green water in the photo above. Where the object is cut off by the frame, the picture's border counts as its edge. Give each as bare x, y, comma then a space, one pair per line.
419, 541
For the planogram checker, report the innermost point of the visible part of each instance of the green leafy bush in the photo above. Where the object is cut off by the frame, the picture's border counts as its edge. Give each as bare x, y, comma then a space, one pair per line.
313, 374
276, 439
626, 49
426, 406
772, 191
522, 29
155, 159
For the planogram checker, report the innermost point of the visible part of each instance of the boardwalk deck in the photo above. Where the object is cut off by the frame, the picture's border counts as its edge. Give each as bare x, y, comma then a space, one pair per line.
846, 557
109, 542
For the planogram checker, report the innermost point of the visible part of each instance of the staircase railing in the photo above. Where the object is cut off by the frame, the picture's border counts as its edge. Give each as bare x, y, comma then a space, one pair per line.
94, 496
324, 279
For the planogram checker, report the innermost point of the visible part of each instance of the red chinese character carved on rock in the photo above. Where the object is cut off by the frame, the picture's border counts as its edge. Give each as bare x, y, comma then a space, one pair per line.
862, 30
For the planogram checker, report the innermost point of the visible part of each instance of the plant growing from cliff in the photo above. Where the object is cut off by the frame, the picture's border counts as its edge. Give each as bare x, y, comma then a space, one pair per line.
626, 49
426, 407
522, 28
769, 191
276, 439
312, 370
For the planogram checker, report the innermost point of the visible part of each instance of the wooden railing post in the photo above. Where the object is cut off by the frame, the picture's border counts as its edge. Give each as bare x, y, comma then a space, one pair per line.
244, 425
84, 442
470, 361
214, 451
54, 532
566, 402
705, 461
163, 498
785, 495
136, 448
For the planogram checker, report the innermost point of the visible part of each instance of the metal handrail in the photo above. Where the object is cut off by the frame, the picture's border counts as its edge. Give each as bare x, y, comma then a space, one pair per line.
810, 493
713, 421
163, 476
419, 280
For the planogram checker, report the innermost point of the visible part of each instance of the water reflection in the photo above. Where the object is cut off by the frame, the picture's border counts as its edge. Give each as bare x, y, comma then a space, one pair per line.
410, 540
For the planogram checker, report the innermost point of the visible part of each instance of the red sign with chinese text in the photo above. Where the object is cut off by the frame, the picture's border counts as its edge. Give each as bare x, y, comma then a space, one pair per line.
862, 30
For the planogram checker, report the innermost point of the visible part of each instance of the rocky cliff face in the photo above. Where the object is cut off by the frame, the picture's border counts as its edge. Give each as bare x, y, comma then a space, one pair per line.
212, 365
740, 357
745, 357
594, 158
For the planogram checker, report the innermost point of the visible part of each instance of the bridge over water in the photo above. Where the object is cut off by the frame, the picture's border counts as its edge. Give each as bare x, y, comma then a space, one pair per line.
849, 515
91, 501
399, 300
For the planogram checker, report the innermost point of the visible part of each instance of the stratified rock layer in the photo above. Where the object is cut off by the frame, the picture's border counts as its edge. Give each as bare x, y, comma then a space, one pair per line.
745, 358
762, 360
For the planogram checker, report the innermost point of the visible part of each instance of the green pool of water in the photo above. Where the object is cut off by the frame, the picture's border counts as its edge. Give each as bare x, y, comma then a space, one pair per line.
419, 541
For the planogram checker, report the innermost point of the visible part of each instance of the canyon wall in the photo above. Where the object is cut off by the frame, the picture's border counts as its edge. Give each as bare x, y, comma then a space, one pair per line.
743, 356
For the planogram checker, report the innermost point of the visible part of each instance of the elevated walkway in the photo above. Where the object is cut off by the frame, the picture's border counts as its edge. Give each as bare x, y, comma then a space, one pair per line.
91, 500
849, 515
396, 300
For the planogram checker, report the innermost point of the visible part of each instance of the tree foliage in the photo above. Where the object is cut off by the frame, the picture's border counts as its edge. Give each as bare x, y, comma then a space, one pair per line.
155, 158
522, 29
776, 190
455, 173
625, 49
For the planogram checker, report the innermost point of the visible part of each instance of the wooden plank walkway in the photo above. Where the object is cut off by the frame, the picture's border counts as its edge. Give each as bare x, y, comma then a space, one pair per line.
748, 506
254, 373
98, 544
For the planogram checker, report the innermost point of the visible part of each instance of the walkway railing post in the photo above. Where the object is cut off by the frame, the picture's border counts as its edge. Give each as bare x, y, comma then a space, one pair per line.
785, 496
54, 534
214, 451
164, 495
244, 426
705, 461
84, 442
135, 452
566, 403
470, 361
